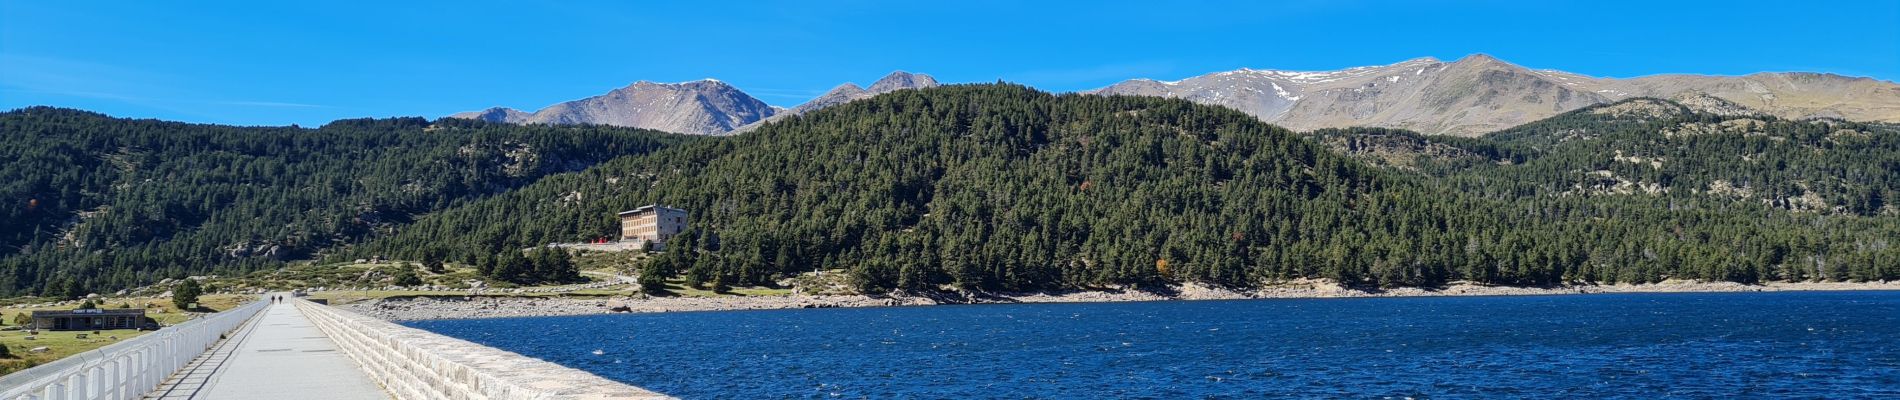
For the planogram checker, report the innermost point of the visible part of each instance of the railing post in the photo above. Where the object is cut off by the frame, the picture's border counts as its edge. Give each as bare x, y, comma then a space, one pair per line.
87, 378
148, 365
101, 379
139, 365
129, 366
76, 386
176, 347
111, 380
129, 371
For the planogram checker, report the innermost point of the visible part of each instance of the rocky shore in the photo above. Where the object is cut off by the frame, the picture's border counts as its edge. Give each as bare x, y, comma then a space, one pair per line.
454, 307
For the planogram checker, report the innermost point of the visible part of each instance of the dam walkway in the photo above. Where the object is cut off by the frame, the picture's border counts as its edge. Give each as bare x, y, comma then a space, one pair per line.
279, 355
297, 350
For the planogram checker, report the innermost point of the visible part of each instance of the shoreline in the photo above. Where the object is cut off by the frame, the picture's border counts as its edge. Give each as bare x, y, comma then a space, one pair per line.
413, 308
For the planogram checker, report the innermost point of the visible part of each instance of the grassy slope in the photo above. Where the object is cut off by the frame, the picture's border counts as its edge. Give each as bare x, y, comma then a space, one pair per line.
61, 344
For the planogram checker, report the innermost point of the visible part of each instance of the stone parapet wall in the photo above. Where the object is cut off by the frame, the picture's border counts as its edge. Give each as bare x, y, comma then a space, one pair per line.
416, 364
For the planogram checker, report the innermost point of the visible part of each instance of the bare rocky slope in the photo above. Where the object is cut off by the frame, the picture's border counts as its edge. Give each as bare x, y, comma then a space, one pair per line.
705, 107
701, 107
1479, 94
846, 93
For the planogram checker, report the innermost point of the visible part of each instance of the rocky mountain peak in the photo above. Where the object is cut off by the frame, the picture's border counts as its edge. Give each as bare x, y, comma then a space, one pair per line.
899, 80
838, 95
846, 88
495, 114
1481, 62
1479, 58
848, 92
702, 107
702, 84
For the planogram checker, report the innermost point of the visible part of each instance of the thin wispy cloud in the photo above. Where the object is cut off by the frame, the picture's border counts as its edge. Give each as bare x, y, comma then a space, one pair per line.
78, 93
269, 104
149, 100
76, 78
22, 73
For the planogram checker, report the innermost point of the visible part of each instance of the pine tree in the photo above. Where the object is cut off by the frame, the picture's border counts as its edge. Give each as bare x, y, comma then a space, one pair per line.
186, 294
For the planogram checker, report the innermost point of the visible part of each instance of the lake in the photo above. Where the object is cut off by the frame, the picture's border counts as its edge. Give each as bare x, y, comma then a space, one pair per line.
1785, 344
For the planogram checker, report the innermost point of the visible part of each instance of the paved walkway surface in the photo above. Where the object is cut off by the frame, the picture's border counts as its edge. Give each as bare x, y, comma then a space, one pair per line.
277, 356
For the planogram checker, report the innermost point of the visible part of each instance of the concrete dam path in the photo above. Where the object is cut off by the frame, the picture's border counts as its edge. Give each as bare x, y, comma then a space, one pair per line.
298, 349
279, 355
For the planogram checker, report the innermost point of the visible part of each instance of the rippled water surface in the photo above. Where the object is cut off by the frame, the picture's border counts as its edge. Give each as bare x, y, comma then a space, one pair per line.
1827, 344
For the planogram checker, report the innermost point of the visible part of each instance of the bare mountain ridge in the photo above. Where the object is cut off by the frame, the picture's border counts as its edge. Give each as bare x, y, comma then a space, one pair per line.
1468, 97
848, 92
1479, 94
704, 107
495, 114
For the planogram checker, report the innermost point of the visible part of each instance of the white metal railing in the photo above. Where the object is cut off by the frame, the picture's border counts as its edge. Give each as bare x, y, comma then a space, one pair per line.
127, 369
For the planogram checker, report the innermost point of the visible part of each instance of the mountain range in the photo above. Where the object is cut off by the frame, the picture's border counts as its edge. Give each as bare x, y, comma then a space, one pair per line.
702, 107
1479, 94
1467, 97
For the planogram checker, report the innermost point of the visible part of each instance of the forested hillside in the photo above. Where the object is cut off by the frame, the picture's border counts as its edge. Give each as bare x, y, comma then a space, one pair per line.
1651, 148
1660, 148
975, 187
1000, 187
98, 203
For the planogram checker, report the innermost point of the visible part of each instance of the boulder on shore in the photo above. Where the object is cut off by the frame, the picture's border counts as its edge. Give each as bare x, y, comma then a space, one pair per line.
616, 305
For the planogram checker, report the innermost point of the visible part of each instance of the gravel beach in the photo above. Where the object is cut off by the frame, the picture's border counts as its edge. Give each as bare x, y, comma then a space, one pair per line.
454, 307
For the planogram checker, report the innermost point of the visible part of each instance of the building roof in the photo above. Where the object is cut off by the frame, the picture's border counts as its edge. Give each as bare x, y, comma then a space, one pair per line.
88, 312
646, 208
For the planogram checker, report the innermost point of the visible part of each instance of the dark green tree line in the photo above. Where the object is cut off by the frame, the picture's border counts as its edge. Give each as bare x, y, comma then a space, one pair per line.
99, 203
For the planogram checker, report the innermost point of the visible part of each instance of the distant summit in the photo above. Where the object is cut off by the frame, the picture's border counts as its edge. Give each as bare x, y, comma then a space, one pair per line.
1480, 93
900, 80
495, 114
848, 92
702, 107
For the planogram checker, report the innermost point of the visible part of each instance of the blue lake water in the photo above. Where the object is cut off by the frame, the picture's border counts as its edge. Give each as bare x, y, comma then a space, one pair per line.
1790, 344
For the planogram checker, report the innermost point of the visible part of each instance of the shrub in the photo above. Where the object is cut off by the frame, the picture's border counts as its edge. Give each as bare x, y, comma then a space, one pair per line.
186, 294
407, 277
652, 279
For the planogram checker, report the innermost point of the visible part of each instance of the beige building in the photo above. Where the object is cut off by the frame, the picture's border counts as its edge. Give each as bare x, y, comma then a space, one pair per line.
654, 223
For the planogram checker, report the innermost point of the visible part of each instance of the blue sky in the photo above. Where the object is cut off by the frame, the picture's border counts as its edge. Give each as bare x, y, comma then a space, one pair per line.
274, 63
